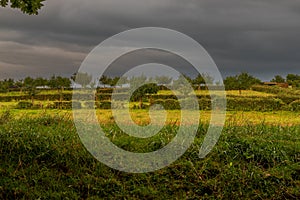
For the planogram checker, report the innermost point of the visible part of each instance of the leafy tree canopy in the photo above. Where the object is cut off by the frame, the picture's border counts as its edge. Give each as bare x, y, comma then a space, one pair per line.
240, 82
30, 7
278, 79
83, 79
293, 79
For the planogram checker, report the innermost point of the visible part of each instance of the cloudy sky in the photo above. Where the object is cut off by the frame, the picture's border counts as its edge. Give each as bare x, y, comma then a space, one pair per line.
256, 36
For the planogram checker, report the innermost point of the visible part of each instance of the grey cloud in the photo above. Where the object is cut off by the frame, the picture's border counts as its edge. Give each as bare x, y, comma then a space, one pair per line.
256, 35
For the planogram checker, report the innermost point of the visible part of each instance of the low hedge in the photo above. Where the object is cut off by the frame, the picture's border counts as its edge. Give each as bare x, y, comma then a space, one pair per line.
64, 105
255, 104
276, 90
243, 104
168, 104
268, 89
103, 105
288, 98
24, 105
295, 105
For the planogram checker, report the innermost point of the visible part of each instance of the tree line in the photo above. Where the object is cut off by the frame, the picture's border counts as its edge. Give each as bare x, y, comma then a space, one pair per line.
242, 81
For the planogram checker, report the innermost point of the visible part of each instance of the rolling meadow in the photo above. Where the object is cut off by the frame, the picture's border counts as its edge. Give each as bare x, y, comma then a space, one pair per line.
256, 157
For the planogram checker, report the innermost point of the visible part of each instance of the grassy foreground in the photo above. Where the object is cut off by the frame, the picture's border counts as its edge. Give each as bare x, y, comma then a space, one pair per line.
42, 157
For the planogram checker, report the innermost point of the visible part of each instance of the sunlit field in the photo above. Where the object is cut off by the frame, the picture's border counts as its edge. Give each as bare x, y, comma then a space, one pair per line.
245, 93
257, 155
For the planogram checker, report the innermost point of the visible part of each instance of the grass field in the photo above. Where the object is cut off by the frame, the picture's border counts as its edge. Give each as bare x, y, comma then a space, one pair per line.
256, 157
42, 157
237, 118
246, 93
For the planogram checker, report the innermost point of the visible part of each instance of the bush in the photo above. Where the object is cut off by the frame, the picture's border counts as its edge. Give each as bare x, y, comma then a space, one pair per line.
255, 104
104, 105
168, 104
89, 104
24, 105
295, 105
288, 98
5, 117
137, 106
189, 104
204, 104
267, 89
287, 95
64, 105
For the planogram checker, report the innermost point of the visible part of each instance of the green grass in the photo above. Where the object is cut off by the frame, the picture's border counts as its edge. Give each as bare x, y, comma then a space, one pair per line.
257, 157
42, 157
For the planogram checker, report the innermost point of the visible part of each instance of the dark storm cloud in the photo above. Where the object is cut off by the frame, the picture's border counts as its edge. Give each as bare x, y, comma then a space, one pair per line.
258, 36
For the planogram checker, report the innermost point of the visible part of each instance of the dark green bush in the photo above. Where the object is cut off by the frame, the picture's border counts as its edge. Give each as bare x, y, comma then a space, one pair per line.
287, 98
5, 117
295, 105
189, 104
64, 105
268, 89
255, 104
204, 104
104, 105
137, 106
24, 105
168, 104
89, 104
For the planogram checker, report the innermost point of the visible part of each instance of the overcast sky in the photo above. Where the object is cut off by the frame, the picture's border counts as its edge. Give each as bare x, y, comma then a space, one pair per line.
256, 36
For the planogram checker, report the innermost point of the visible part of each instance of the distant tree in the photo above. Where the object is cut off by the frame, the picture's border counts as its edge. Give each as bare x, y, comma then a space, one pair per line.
93, 84
59, 83
105, 80
183, 85
30, 7
113, 81
199, 80
202, 79
4, 87
208, 78
122, 81
231, 83
30, 85
293, 79
20, 84
141, 92
187, 78
41, 81
240, 82
6, 84
83, 79
278, 79
163, 80
142, 88
138, 80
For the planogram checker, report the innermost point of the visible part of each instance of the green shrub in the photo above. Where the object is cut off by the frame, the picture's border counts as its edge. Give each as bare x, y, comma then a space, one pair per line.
295, 105
137, 106
287, 98
204, 104
5, 117
104, 105
168, 104
89, 104
65, 105
268, 89
189, 104
104, 90
286, 94
24, 105
255, 104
